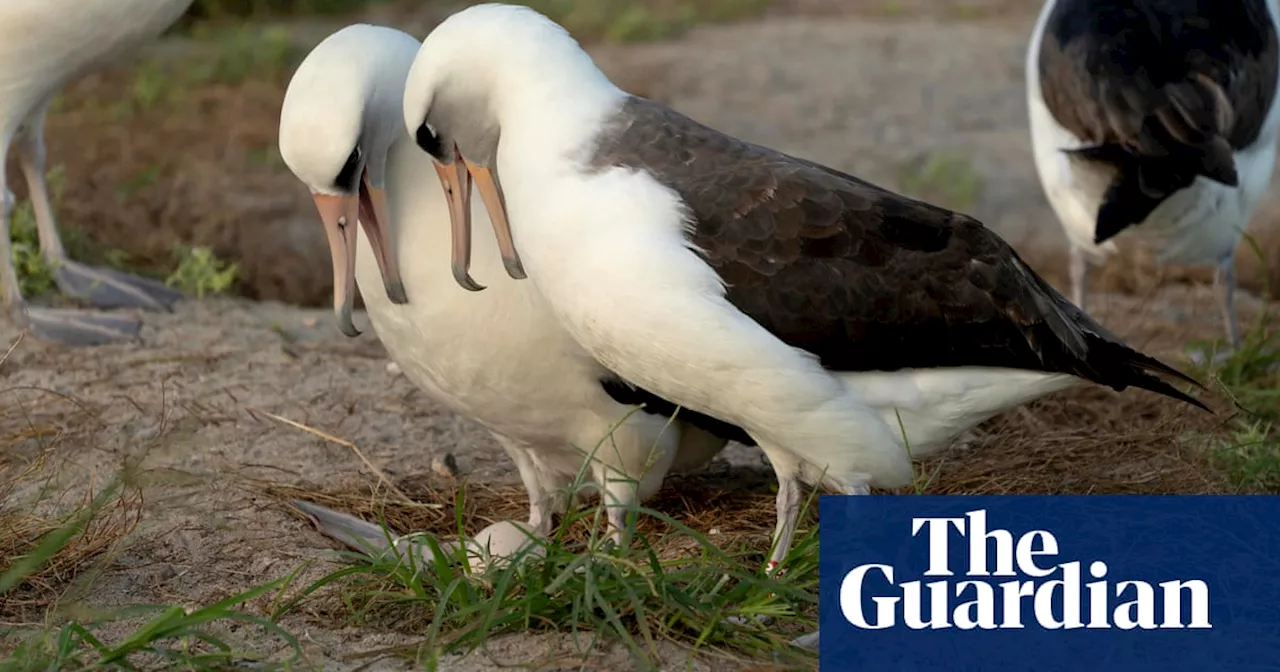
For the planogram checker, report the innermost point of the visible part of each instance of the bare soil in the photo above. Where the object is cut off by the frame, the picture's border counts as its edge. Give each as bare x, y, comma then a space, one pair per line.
873, 88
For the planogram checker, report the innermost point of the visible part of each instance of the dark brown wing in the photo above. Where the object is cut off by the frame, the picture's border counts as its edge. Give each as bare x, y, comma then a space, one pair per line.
859, 276
1162, 90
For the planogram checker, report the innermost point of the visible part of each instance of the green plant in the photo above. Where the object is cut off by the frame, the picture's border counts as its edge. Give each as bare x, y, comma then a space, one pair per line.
199, 272
945, 179
35, 277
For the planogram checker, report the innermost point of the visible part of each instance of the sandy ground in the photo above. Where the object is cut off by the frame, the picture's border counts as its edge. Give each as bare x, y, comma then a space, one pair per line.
872, 92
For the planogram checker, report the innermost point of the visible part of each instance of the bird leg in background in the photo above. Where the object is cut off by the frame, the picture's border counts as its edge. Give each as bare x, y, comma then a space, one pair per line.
1079, 271
100, 287
69, 327
1224, 282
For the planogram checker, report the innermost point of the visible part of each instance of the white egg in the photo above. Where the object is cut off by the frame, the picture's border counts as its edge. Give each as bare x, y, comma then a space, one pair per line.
500, 541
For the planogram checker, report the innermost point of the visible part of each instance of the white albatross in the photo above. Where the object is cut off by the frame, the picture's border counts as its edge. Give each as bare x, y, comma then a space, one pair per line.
796, 302
1155, 119
44, 45
499, 357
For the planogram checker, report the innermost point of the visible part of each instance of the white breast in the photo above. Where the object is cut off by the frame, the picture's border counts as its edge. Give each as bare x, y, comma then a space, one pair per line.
496, 356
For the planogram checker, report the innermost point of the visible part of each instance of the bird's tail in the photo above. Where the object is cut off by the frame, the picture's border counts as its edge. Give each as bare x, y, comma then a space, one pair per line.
1184, 138
1126, 367
1102, 357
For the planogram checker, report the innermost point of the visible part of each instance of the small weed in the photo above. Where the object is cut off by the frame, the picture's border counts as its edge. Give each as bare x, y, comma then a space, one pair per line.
35, 277
947, 180
201, 273
150, 85
627, 21
241, 52
224, 10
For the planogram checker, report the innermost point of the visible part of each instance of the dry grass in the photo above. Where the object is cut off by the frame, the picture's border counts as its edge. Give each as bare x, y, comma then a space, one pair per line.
735, 509
1086, 442
50, 537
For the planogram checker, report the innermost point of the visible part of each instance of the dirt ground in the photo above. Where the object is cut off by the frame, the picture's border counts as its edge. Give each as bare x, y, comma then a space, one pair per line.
875, 88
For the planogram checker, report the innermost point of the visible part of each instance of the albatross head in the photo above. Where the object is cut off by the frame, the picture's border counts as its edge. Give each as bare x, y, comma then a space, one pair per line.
339, 118
478, 67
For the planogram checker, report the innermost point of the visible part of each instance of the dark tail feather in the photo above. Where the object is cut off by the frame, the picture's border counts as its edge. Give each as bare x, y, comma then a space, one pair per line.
1139, 369
1101, 356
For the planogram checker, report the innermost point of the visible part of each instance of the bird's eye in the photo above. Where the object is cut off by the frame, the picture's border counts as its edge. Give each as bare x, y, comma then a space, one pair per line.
350, 174
428, 140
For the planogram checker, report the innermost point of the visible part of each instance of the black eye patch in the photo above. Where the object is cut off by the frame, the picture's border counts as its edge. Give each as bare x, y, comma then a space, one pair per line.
428, 141
349, 175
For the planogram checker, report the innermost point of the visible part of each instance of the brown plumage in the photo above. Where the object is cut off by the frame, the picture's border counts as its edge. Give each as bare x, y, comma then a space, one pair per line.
862, 277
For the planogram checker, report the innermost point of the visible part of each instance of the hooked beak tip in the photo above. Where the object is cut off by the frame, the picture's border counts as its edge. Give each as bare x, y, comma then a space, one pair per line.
515, 269
464, 278
395, 292
345, 324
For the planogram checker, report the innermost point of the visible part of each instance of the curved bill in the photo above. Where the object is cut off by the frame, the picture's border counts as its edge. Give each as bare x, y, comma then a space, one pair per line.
457, 190
373, 218
340, 215
496, 205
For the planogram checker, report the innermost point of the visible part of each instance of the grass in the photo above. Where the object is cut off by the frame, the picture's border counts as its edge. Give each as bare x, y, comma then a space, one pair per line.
947, 180
45, 559
1250, 378
201, 273
641, 596
196, 270
606, 20
580, 584
630, 21
35, 277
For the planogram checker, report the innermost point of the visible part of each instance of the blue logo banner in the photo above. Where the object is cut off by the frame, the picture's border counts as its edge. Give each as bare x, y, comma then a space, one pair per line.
1048, 583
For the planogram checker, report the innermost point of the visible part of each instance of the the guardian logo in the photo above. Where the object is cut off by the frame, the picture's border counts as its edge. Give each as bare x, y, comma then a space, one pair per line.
1011, 582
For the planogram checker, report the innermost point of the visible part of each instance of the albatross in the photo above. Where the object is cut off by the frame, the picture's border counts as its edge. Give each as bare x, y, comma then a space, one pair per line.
44, 45
808, 308
1155, 119
501, 358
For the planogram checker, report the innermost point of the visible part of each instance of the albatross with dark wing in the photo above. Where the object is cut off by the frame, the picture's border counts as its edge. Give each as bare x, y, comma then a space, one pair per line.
44, 45
806, 307
499, 358
1155, 119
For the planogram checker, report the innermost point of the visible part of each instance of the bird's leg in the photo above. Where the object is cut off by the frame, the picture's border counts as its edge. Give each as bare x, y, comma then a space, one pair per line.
10, 292
101, 287
619, 495
60, 326
1079, 272
788, 509
1224, 282
788, 506
540, 501
810, 641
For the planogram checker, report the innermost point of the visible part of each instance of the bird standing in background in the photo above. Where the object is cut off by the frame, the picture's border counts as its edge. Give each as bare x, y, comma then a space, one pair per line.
45, 44
1156, 119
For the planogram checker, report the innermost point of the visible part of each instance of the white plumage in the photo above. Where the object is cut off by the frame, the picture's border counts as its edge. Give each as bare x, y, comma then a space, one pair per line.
610, 242
497, 357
